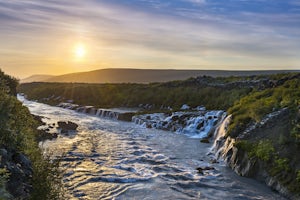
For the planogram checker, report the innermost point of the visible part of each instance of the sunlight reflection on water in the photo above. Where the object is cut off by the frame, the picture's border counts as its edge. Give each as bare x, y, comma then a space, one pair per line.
109, 159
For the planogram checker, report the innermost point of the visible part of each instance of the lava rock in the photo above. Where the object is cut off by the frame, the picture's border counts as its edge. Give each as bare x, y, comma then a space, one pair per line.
204, 140
45, 135
126, 116
39, 119
202, 169
20, 169
213, 161
67, 126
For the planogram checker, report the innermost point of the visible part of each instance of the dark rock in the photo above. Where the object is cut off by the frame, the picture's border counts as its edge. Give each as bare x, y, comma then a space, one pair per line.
125, 116
202, 169
271, 127
67, 126
22, 159
175, 118
45, 135
213, 161
204, 140
3, 153
200, 125
208, 168
39, 119
20, 169
164, 123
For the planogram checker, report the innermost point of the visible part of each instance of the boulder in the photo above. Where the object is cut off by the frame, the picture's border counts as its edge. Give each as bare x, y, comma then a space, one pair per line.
45, 135
126, 116
202, 169
20, 173
204, 140
67, 126
185, 107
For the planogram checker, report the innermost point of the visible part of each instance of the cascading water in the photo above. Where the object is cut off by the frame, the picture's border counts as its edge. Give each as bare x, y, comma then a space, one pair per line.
115, 113
221, 145
109, 159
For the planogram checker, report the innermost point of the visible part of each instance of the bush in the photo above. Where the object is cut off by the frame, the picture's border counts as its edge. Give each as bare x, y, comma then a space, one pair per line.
4, 175
298, 176
18, 133
280, 165
257, 104
263, 150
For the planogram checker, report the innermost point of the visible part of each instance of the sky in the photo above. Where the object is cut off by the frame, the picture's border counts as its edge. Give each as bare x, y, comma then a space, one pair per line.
64, 36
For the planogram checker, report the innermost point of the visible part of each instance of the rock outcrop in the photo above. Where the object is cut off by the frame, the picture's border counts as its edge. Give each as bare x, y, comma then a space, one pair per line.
19, 171
271, 128
65, 127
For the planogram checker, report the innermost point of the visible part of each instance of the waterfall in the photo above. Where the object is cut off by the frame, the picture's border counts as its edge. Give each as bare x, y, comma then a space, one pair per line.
195, 124
117, 114
221, 144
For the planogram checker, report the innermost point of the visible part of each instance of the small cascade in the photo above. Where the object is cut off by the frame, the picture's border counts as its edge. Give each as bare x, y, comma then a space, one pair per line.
221, 144
104, 113
117, 114
195, 124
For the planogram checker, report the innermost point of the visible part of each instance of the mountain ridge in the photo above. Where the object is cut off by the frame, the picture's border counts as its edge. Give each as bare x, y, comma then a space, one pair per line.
36, 78
131, 75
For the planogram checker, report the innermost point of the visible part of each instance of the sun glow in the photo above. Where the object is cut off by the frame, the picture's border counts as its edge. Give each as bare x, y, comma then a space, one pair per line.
79, 51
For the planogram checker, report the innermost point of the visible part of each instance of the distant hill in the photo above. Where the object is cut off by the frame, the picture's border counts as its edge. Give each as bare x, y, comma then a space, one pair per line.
36, 78
139, 75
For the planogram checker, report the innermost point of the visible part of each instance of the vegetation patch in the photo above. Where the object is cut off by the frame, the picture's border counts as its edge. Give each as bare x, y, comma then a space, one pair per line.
249, 99
18, 137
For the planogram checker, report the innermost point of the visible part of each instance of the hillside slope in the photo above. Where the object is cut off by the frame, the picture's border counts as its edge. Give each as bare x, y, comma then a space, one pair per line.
36, 78
24, 171
139, 75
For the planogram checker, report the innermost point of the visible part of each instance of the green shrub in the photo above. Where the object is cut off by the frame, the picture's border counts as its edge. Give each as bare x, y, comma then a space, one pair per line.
298, 176
244, 145
280, 165
18, 132
131, 95
4, 176
263, 150
257, 104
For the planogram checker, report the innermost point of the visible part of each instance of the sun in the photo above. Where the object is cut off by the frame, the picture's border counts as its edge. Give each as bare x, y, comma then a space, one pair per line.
79, 51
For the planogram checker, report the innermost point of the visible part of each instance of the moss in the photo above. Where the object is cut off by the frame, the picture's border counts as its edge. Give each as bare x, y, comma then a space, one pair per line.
253, 107
244, 145
280, 165
263, 150
4, 176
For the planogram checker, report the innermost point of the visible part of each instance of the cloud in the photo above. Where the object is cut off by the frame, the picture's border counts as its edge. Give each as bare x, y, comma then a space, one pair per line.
157, 32
197, 1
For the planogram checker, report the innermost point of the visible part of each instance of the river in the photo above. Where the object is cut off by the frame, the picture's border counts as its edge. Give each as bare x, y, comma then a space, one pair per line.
110, 159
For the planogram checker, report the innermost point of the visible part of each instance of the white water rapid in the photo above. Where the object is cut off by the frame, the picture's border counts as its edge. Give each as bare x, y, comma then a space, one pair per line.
110, 159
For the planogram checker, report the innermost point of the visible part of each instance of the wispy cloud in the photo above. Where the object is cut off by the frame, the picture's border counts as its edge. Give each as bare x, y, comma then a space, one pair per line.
137, 33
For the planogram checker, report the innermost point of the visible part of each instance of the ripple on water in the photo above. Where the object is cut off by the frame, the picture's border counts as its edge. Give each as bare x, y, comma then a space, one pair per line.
108, 159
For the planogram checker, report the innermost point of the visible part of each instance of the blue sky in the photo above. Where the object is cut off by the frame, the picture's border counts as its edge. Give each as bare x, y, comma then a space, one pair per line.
39, 37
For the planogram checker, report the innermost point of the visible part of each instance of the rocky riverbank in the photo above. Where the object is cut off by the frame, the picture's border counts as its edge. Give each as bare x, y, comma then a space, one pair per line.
196, 124
273, 130
18, 169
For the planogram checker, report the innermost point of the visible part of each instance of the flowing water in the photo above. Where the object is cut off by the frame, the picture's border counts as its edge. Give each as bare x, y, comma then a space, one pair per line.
109, 159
